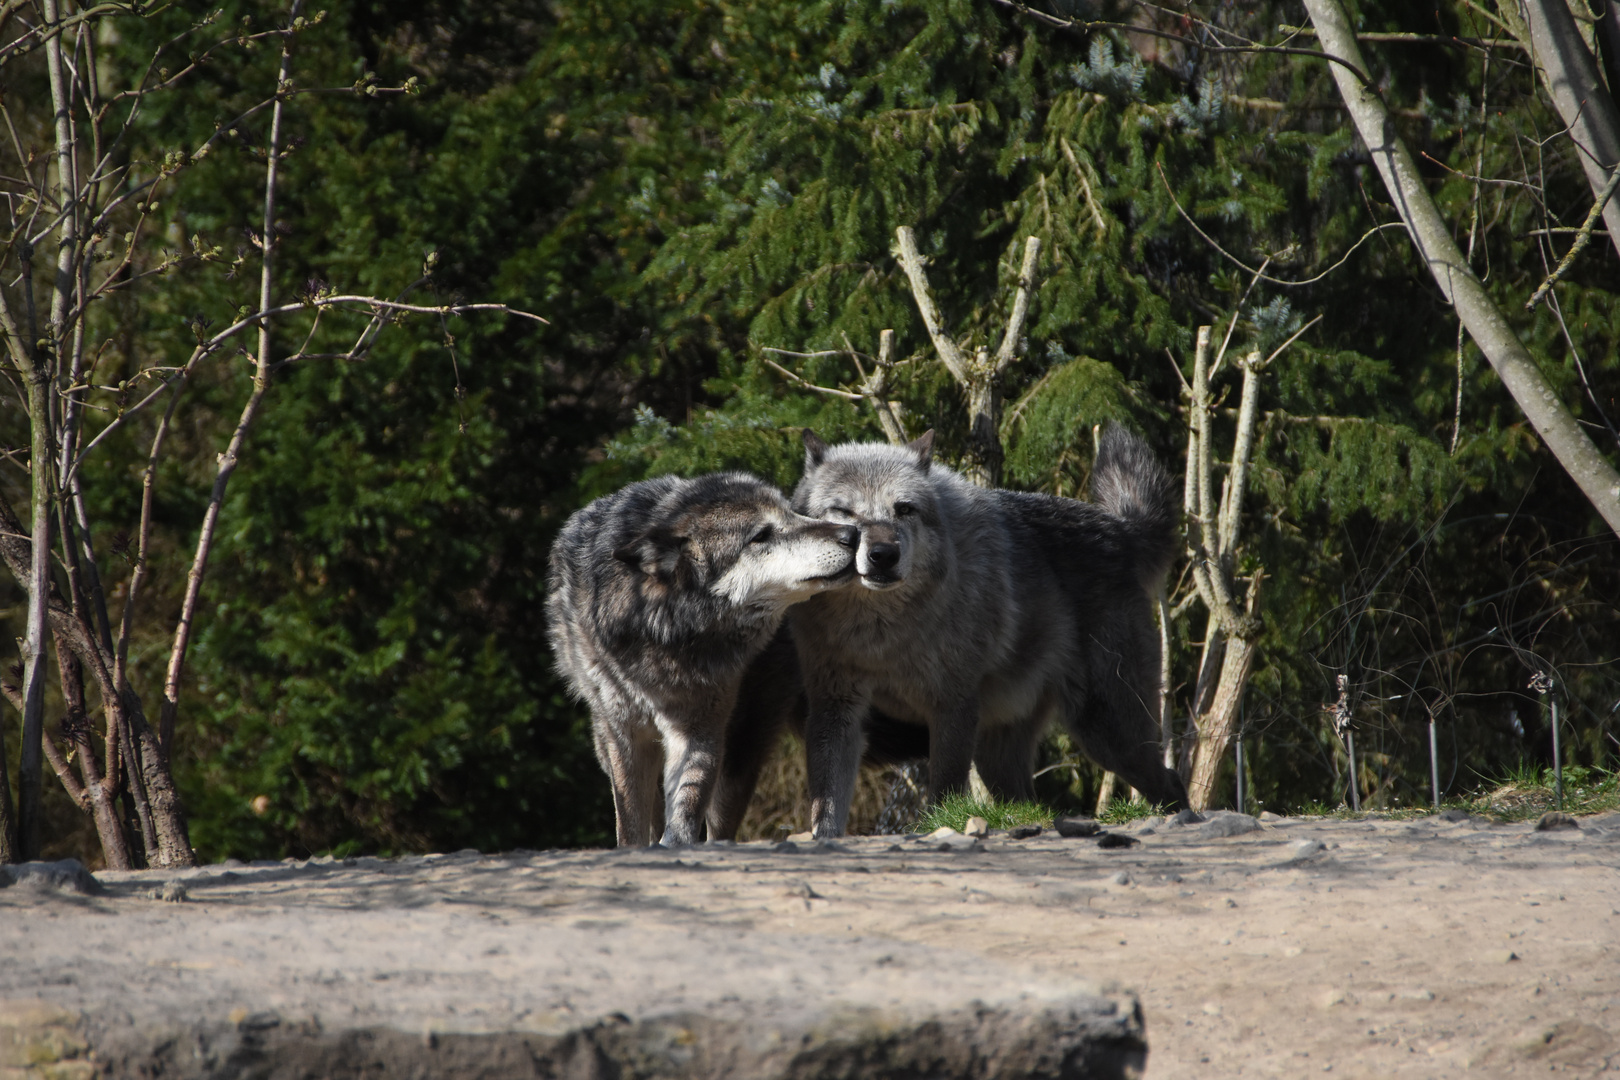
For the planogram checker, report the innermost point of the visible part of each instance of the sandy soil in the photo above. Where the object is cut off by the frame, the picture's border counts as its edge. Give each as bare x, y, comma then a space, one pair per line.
1376, 948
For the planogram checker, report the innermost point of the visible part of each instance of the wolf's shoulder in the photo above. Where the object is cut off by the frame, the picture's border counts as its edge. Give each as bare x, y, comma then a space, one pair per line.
633, 501
582, 553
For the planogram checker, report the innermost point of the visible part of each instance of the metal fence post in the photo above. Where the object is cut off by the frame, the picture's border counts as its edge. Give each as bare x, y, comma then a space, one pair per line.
1434, 762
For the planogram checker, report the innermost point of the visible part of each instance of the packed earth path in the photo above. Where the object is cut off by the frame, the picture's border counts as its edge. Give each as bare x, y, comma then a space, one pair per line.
1435, 946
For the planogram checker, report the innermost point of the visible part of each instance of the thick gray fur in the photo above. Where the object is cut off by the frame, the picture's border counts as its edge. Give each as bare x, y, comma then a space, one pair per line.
985, 615
661, 595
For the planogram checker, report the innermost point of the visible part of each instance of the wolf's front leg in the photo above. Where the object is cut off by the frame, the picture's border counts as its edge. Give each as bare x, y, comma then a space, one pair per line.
627, 746
691, 766
951, 738
834, 739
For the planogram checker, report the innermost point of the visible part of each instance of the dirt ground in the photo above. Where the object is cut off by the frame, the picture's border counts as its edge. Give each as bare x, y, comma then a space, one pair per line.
1425, 948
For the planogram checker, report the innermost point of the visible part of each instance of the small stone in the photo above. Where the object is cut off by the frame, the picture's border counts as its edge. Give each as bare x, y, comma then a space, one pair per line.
1121, 878
976, 827
800, 837
1113, 840
1211, 1009
1268, 817
894, 847
1071, 827
1188, 817
943, 833
1454, 814
1418, 995
1225, 825
786, 846
1552, 819
1501, 956
825, 845
1329, 998
1305, 849
1023, 832
171, 892
1231, 902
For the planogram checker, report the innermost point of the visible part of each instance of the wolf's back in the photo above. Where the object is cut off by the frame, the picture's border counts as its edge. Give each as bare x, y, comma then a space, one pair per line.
1130, 484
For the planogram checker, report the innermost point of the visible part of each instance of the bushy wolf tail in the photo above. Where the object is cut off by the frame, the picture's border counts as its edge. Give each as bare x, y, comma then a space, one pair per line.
1130, 484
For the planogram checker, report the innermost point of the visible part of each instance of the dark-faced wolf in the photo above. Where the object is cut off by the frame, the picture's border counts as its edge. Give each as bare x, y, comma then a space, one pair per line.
660, 597
985, 615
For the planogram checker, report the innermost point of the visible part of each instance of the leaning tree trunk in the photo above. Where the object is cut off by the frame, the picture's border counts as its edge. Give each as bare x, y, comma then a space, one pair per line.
1569, 71
1486, 323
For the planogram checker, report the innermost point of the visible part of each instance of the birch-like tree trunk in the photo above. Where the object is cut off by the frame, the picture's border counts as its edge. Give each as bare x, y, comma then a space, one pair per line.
1486, 323
1212, 529
1569, 72
1214, 533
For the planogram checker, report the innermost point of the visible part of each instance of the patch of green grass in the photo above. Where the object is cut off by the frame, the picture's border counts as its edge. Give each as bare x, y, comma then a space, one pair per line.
1523, 793
955, 810
1526, 793
1119, 811
1318, 808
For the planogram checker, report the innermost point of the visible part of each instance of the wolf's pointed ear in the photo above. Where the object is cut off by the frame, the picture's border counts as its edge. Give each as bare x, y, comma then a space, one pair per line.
815, 450
656, 553
923, 447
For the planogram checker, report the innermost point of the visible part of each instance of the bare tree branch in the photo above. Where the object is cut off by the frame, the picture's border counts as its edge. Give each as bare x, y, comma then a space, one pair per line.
1020, 309
911, 261
250, 411
1583, 236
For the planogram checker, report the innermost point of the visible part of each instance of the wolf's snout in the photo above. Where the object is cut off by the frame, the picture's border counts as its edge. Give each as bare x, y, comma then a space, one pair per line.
883, 556
849, 536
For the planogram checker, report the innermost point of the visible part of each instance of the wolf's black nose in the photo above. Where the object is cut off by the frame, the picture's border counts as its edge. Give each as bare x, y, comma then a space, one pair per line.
883, 556
849, 536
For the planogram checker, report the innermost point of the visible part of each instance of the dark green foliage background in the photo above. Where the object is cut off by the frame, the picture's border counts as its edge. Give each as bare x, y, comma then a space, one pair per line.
674, 186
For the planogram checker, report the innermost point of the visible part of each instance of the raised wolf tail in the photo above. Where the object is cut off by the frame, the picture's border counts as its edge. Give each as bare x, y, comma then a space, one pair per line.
1130, 484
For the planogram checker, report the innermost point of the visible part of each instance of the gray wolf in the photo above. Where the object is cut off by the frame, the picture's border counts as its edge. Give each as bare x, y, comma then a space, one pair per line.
660, 596
985, 616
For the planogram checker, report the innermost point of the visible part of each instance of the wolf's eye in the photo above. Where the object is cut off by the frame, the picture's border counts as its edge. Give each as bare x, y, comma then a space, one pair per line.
904, 509
764, 535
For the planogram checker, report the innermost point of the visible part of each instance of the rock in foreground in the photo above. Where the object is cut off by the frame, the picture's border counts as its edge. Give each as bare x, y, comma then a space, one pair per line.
466, 966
